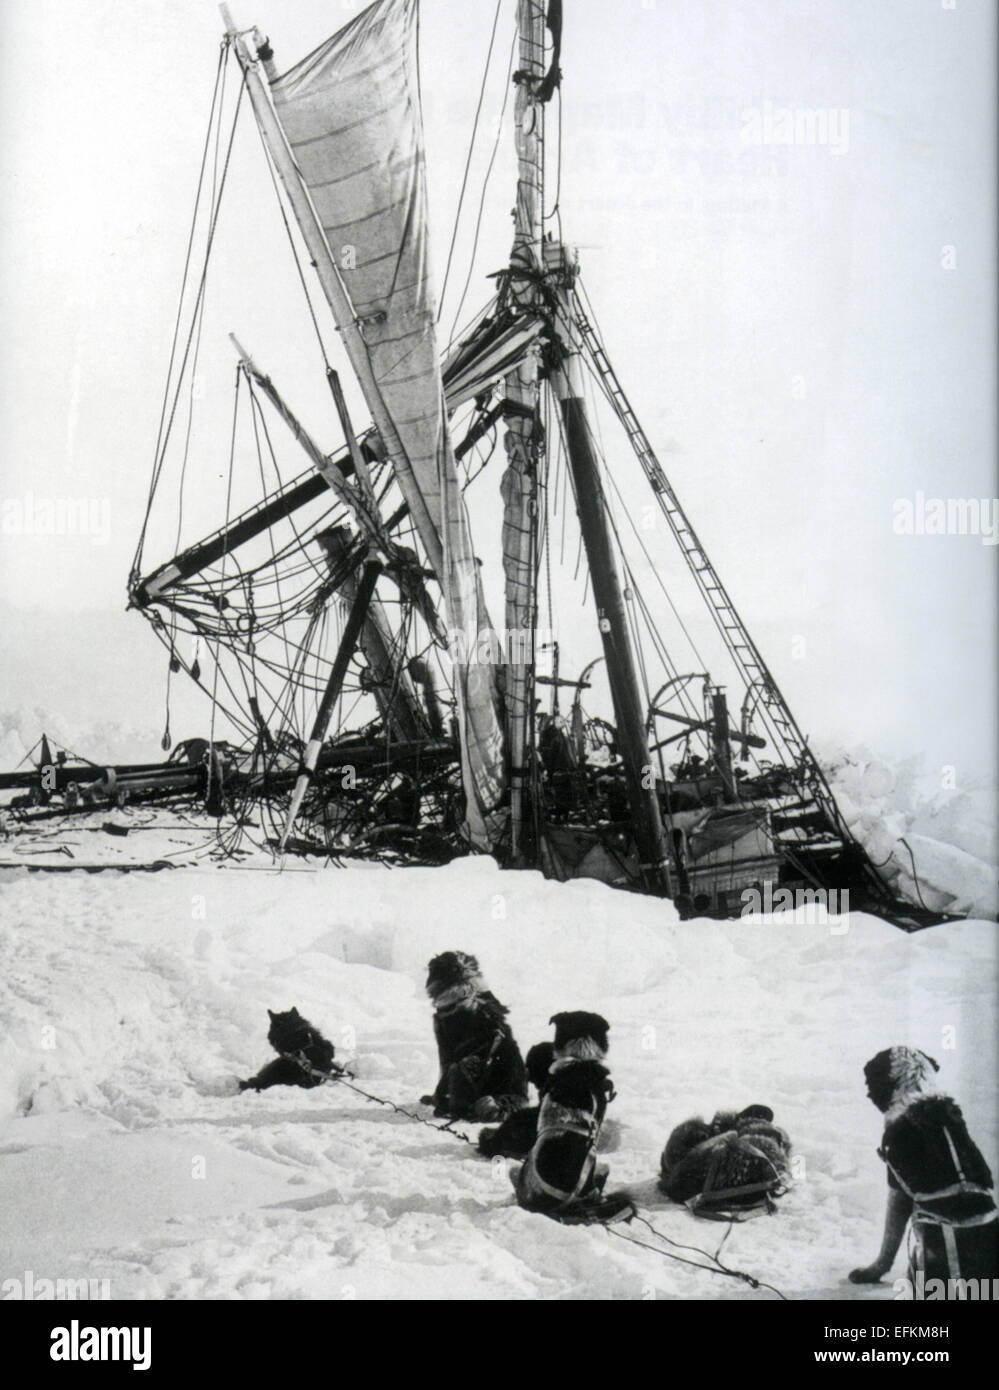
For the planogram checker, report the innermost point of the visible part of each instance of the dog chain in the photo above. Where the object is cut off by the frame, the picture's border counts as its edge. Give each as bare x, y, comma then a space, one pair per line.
340, 1075
716, 1268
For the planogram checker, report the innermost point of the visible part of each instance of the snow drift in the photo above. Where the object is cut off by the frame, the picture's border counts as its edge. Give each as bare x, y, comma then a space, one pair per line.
131, 1004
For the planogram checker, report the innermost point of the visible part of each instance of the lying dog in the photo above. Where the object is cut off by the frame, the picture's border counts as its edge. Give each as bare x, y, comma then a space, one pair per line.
482, 1074
736, 1165
294, 1037
561, 1177
515, 1137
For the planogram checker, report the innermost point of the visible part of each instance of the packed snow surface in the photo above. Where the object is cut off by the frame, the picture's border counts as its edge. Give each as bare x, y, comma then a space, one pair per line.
130, 1004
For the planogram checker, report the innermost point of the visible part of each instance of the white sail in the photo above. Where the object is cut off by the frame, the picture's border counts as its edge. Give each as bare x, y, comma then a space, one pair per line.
350, 114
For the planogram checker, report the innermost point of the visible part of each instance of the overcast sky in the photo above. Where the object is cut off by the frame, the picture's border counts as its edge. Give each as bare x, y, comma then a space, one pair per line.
806, 329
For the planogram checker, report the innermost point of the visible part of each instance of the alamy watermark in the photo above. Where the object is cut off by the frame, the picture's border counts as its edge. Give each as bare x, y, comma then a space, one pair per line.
946, 516
796, 125
31, 515
935, 1290
507, 647
808, 907
32, 1288
76, 1343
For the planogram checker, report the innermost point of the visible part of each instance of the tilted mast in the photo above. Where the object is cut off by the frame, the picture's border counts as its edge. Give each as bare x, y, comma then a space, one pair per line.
343, 129
325, 265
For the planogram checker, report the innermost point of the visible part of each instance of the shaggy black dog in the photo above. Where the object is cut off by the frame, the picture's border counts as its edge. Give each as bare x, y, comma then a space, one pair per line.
561, 1176
515, 1137
938, 1180
482, 1072
735, 1165
294, 1038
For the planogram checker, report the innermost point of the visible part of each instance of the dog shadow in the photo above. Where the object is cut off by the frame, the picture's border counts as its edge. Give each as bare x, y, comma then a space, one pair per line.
265, 1118
648, 1196
466, 1151
610, 1137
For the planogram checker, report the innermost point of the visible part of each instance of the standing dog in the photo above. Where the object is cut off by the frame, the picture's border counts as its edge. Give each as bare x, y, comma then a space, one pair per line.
482, 1072
561, 1177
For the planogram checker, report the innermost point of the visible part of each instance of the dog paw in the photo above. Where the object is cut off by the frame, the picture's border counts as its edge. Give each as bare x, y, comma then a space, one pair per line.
869, 1275
487, 1140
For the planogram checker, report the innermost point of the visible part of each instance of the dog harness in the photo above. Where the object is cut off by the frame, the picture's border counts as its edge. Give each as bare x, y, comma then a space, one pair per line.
764, 1191
961, 1187
923, 1215
554, 1121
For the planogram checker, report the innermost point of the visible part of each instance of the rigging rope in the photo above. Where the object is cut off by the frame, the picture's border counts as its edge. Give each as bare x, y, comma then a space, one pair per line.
223, 53
294, 248
164, 436
468, 159
225, 554
482, 197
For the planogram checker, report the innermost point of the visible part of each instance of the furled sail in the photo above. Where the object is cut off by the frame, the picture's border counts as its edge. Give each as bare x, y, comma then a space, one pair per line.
351, 116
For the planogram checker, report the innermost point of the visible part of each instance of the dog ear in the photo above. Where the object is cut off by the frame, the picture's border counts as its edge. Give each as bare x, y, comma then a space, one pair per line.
555, 1019
271, 1013
294, 1012
756, 1112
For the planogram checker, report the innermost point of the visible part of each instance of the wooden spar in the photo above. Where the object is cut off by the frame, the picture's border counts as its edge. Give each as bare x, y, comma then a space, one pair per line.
399, 706
591, 506
358, 503
557, 680
410, 582
519, 486
256, 520
392, 688
720, 745
394, 694
329, 277
707, 726
345, 651
357, 458
209, 552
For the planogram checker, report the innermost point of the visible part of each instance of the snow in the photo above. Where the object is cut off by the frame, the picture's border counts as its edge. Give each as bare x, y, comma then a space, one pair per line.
131, 1003
910, 816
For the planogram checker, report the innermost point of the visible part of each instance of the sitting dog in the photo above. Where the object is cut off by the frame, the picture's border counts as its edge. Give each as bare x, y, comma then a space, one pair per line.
294, 1038
561, 1177
939, 1183
515, 1137
482, 1074
736, 1165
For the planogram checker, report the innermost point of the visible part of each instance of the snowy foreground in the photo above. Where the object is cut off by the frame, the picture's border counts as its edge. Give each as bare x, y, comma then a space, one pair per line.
129, 1005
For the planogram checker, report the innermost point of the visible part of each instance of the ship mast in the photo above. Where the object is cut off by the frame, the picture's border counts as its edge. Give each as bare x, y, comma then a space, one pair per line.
521, 440
565, 379
592, 510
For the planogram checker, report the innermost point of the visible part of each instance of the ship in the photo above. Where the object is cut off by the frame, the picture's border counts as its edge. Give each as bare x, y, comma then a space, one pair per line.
365, 696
